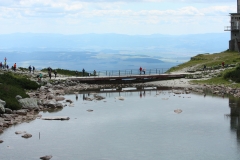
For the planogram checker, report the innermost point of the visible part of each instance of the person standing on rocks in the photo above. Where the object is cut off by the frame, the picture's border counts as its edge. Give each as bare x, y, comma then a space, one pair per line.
83, 72
30, 68
15, 67
55, 73
33, 69
50, 73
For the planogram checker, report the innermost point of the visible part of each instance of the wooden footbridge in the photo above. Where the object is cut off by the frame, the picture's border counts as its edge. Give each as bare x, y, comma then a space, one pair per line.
127, 76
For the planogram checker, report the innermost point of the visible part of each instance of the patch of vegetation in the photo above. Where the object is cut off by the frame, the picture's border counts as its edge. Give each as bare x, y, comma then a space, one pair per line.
12, 85
210, 60
233, 75
66, 72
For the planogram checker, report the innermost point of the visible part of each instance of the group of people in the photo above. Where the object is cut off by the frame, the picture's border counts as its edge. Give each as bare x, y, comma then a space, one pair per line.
31, 69
142, 70
50, 70
84, 73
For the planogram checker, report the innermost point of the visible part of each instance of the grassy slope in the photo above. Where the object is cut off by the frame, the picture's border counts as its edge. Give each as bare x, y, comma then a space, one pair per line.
213, 61
12, 85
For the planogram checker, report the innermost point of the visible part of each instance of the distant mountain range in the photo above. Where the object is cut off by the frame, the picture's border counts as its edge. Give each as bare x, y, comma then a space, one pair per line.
199, 43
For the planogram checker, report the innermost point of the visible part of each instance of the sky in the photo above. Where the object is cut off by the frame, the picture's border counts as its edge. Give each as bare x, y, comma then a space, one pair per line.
132, 17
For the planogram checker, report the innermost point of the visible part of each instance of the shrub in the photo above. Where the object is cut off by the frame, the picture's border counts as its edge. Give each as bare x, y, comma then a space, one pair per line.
233, 75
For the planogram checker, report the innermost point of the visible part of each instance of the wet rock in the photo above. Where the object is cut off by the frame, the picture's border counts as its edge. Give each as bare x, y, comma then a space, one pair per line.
1, 131
120, 98
20, 132
51, 104
27, 135
48, 157
18, 97
1, 141
90, 110
70, 101
56, 118
59, 105
59, 98
178, 111
98, 97
21, 112
29, 103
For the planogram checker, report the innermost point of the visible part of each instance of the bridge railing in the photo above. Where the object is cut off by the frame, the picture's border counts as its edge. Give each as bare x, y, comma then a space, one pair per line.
128, 72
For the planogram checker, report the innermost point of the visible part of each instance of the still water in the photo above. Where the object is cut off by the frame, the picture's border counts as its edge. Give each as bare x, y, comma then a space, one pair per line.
141, 127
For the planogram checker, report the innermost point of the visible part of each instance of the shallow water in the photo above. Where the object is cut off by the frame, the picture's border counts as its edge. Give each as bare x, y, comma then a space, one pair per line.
142, 127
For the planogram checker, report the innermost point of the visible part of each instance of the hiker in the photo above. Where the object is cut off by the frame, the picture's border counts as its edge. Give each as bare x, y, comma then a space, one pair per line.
50, 73
144, 70
30, 69
7, 67
39, 77
83, 72
55, 73
140, 69
204, 67
14, 67
76, 73
223, 64
33, 69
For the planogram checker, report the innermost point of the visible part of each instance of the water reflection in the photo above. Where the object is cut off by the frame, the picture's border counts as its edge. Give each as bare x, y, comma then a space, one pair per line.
234, 104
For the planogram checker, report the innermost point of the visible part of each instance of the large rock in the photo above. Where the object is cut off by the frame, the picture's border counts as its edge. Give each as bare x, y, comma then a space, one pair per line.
8, 111
21, 112
29, 103
18, 97
2, 106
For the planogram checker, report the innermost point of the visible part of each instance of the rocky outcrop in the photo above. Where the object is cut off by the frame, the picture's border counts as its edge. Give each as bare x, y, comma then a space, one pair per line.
29, 103
2, 106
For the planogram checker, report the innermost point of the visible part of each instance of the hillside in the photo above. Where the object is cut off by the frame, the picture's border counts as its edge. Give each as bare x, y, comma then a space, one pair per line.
214, 73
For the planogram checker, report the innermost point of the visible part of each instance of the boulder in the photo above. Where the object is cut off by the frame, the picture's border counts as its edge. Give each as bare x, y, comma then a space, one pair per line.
2, 108
48, 157
18, 97
8, 111
1, 141
21, 112
59, 98
51, 104
27, 135
42, 88
29, 103
59, 105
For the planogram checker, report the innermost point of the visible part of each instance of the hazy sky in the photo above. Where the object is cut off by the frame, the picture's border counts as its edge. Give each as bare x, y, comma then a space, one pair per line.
115, 16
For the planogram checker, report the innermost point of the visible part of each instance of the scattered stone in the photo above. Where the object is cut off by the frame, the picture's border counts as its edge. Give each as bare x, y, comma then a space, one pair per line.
1, 131
70, 101
46, 157
27, 135
1, 141
90, 110
178, 111
8, 111
20, 132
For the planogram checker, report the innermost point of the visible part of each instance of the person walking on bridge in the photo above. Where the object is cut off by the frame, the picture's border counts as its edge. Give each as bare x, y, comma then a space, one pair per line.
83, 72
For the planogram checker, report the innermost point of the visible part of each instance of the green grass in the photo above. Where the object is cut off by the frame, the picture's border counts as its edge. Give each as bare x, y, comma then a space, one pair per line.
210, 60
12, 85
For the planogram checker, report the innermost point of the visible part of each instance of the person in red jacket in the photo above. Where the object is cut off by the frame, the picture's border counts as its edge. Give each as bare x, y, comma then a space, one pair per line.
140, 69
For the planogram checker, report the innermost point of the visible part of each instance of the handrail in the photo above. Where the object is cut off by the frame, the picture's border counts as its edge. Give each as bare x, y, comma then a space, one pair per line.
127, 72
